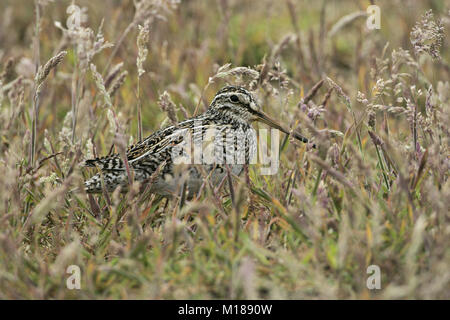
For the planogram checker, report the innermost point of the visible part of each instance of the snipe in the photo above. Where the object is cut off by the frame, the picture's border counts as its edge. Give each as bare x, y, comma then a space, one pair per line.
229, 117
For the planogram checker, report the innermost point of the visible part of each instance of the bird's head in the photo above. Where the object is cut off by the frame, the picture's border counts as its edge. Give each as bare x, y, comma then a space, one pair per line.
240, 104
236, 102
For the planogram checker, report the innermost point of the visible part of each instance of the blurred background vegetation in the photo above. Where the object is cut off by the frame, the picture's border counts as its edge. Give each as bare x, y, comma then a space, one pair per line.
309, 232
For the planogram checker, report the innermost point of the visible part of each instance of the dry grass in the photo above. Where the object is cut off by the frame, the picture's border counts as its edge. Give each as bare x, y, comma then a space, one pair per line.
376, 190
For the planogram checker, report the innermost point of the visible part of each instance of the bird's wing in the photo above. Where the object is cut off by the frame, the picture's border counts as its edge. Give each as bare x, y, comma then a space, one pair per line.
149, 145
157, 141
108, 163
154, 149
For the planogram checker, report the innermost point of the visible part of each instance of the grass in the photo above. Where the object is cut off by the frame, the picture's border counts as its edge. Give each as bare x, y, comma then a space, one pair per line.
375, 192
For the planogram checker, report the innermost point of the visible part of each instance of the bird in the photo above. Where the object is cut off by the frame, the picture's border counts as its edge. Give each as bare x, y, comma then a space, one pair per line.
157, 159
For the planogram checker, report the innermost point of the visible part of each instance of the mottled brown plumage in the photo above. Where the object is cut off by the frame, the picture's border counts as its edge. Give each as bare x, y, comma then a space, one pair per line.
229, 117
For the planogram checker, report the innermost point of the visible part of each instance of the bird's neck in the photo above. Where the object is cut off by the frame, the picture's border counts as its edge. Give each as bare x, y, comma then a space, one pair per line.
227, 117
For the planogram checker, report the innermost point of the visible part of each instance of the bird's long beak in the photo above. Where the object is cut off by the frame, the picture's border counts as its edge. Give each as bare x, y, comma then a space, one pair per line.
263, 117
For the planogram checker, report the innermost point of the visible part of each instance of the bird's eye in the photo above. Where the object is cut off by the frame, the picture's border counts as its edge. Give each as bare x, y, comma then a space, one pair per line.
234, 98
